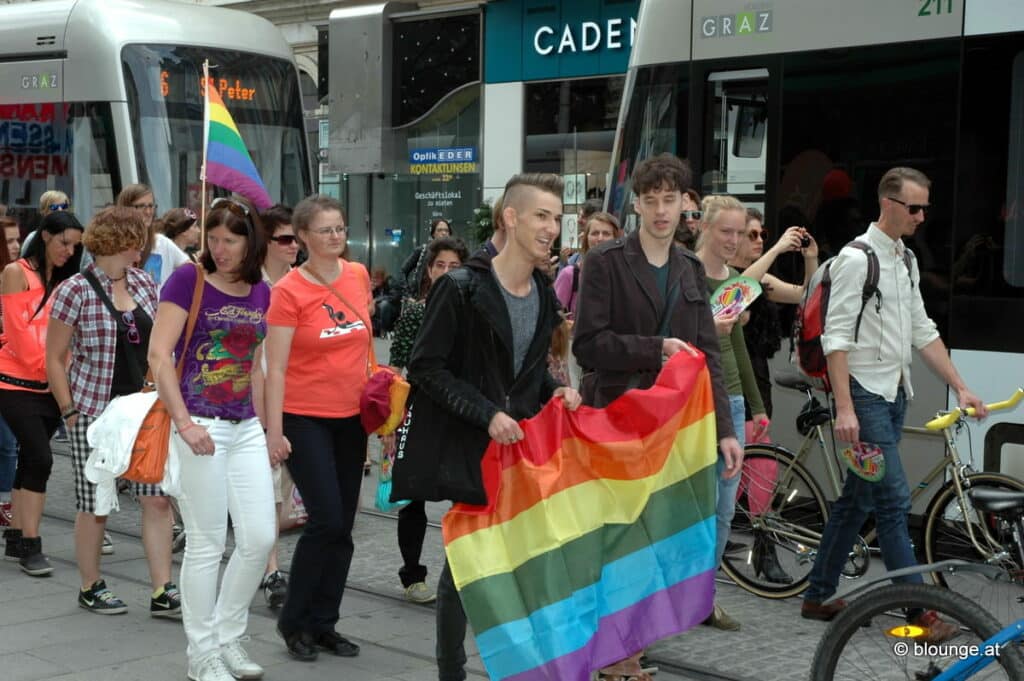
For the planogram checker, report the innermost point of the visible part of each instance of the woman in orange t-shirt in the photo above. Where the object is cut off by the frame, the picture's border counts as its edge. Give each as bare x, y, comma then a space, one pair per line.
317, 349
26, 402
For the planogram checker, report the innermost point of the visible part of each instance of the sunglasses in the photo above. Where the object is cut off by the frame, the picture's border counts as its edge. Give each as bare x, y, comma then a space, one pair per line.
756, 234
692, 214
912, 208
59, 206
239, 209
133, 331
284, 239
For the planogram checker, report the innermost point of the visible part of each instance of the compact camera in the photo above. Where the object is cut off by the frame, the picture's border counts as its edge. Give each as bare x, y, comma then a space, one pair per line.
805, 241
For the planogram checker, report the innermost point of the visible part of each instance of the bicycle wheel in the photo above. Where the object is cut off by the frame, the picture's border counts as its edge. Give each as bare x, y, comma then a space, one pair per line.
780, 515
866, 640
946, 536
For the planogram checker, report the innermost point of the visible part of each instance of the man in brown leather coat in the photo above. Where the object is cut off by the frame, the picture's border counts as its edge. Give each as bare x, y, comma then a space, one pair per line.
643, 298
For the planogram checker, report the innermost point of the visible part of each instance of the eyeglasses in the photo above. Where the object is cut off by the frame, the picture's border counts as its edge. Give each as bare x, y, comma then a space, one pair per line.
59, 206
341, 231
756, 234
133, 331
912, 208
144, 206
284, 239
692, 214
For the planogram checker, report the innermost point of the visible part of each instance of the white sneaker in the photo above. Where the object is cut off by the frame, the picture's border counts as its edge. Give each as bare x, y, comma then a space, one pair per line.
209, 667
238, 662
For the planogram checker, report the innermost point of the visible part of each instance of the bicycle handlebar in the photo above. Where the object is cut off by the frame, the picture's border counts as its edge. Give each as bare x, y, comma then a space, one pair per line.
945, 420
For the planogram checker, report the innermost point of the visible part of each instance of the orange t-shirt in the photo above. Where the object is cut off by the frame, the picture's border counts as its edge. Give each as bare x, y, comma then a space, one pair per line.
23, 354
327, 362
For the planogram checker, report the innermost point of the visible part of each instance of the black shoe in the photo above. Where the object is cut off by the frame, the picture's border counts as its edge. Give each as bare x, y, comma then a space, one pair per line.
32, 561
766, 562
167, 603
12, 549
336, 644
301, 645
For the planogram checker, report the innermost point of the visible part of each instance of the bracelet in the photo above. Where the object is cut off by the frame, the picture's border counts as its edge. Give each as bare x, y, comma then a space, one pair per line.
182, 430
68, 414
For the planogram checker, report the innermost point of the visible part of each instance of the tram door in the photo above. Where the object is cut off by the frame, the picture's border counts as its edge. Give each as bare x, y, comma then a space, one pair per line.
736, 135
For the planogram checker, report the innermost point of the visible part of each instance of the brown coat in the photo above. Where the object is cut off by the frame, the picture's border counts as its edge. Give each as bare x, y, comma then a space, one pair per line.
617, 320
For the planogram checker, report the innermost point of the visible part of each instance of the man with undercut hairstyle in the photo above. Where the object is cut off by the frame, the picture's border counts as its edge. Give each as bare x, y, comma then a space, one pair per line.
479, 365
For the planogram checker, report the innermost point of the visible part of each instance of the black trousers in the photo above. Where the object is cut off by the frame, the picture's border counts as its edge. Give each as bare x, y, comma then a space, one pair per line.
412, 528
33, 418
451, 630
327, 466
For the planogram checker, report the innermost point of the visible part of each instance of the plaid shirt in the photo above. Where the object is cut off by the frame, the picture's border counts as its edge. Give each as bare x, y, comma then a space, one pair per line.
94, 337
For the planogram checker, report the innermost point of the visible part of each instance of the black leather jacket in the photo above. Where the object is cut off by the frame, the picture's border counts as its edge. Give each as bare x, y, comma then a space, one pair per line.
462, 374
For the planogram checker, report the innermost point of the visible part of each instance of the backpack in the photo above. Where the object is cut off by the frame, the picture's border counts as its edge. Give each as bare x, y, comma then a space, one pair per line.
810, 316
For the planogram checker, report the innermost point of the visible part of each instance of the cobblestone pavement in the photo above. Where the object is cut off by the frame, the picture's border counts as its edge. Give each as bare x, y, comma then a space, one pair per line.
774, 644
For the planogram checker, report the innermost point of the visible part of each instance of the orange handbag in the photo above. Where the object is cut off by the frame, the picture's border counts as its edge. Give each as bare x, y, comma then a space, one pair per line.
149, 453
382, 404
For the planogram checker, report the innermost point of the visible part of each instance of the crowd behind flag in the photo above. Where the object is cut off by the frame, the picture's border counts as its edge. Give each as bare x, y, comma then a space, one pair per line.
598, 537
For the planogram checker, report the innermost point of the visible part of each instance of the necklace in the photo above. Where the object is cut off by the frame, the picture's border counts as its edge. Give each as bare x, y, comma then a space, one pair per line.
123, 275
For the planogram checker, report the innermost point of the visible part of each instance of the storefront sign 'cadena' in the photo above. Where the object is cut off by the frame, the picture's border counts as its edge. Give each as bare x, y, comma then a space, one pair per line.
587, 36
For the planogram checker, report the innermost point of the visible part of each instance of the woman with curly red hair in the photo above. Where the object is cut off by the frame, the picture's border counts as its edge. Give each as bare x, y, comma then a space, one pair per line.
95, 351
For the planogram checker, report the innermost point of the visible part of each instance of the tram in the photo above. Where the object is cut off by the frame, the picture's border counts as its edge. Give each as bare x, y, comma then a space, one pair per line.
98, 94
800, 106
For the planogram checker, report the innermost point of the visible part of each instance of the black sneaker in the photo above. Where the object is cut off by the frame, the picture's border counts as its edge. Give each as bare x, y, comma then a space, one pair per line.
167, 603
12, 547
275, 588
100, 600
32, 561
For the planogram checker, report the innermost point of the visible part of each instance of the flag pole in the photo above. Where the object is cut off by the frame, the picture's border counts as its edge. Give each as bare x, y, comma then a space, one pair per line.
206, 143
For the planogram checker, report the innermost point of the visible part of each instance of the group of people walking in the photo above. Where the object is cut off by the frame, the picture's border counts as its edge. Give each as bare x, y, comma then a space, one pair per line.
261, 364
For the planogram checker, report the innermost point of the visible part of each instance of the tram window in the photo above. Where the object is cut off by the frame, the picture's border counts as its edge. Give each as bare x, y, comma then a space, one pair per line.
842, 130
751, 125
1013, 253
987, 271
656, 123
69, 147
734, 146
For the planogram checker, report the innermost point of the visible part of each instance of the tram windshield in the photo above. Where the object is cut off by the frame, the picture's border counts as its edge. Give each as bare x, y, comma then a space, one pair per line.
165, 103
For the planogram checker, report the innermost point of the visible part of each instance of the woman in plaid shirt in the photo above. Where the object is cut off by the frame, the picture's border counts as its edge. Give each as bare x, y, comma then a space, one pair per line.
108, 359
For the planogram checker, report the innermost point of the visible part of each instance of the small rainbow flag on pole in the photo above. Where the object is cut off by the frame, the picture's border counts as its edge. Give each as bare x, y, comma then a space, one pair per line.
227, 162
598, 537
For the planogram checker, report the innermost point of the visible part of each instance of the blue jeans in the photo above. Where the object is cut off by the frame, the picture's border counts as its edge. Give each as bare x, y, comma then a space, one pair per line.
8, 457
725, 505
880, 423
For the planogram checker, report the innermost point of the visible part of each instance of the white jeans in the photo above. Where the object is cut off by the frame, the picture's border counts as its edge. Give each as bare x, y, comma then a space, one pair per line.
235, 480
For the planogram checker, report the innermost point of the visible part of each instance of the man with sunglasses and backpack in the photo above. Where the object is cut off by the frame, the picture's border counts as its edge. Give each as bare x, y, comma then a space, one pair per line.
868, 351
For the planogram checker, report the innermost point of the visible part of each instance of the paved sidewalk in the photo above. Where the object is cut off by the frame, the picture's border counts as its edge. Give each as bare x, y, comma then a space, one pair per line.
43, 634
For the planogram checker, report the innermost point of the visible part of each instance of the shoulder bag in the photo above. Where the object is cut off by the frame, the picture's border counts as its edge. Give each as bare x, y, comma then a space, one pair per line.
382, 404
149, 453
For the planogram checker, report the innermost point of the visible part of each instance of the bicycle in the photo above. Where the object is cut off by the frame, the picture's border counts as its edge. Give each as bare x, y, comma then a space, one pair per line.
782, 510
858, 644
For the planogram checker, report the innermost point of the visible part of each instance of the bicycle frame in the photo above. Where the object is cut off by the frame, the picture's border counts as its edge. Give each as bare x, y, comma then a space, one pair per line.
987, 651
950, 460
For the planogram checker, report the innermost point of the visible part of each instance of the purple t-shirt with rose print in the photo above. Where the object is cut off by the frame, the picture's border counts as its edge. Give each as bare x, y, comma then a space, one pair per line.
215, 379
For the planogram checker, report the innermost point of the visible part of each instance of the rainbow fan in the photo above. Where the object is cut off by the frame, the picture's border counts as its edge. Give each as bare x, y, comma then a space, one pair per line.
734, 295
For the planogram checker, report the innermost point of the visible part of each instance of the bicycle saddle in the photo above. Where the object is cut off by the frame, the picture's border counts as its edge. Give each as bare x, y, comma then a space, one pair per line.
813, 414
1000, 501
793, 382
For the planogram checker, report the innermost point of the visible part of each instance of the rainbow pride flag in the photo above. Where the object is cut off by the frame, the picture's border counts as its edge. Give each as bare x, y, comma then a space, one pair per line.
598, 537
228, 163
